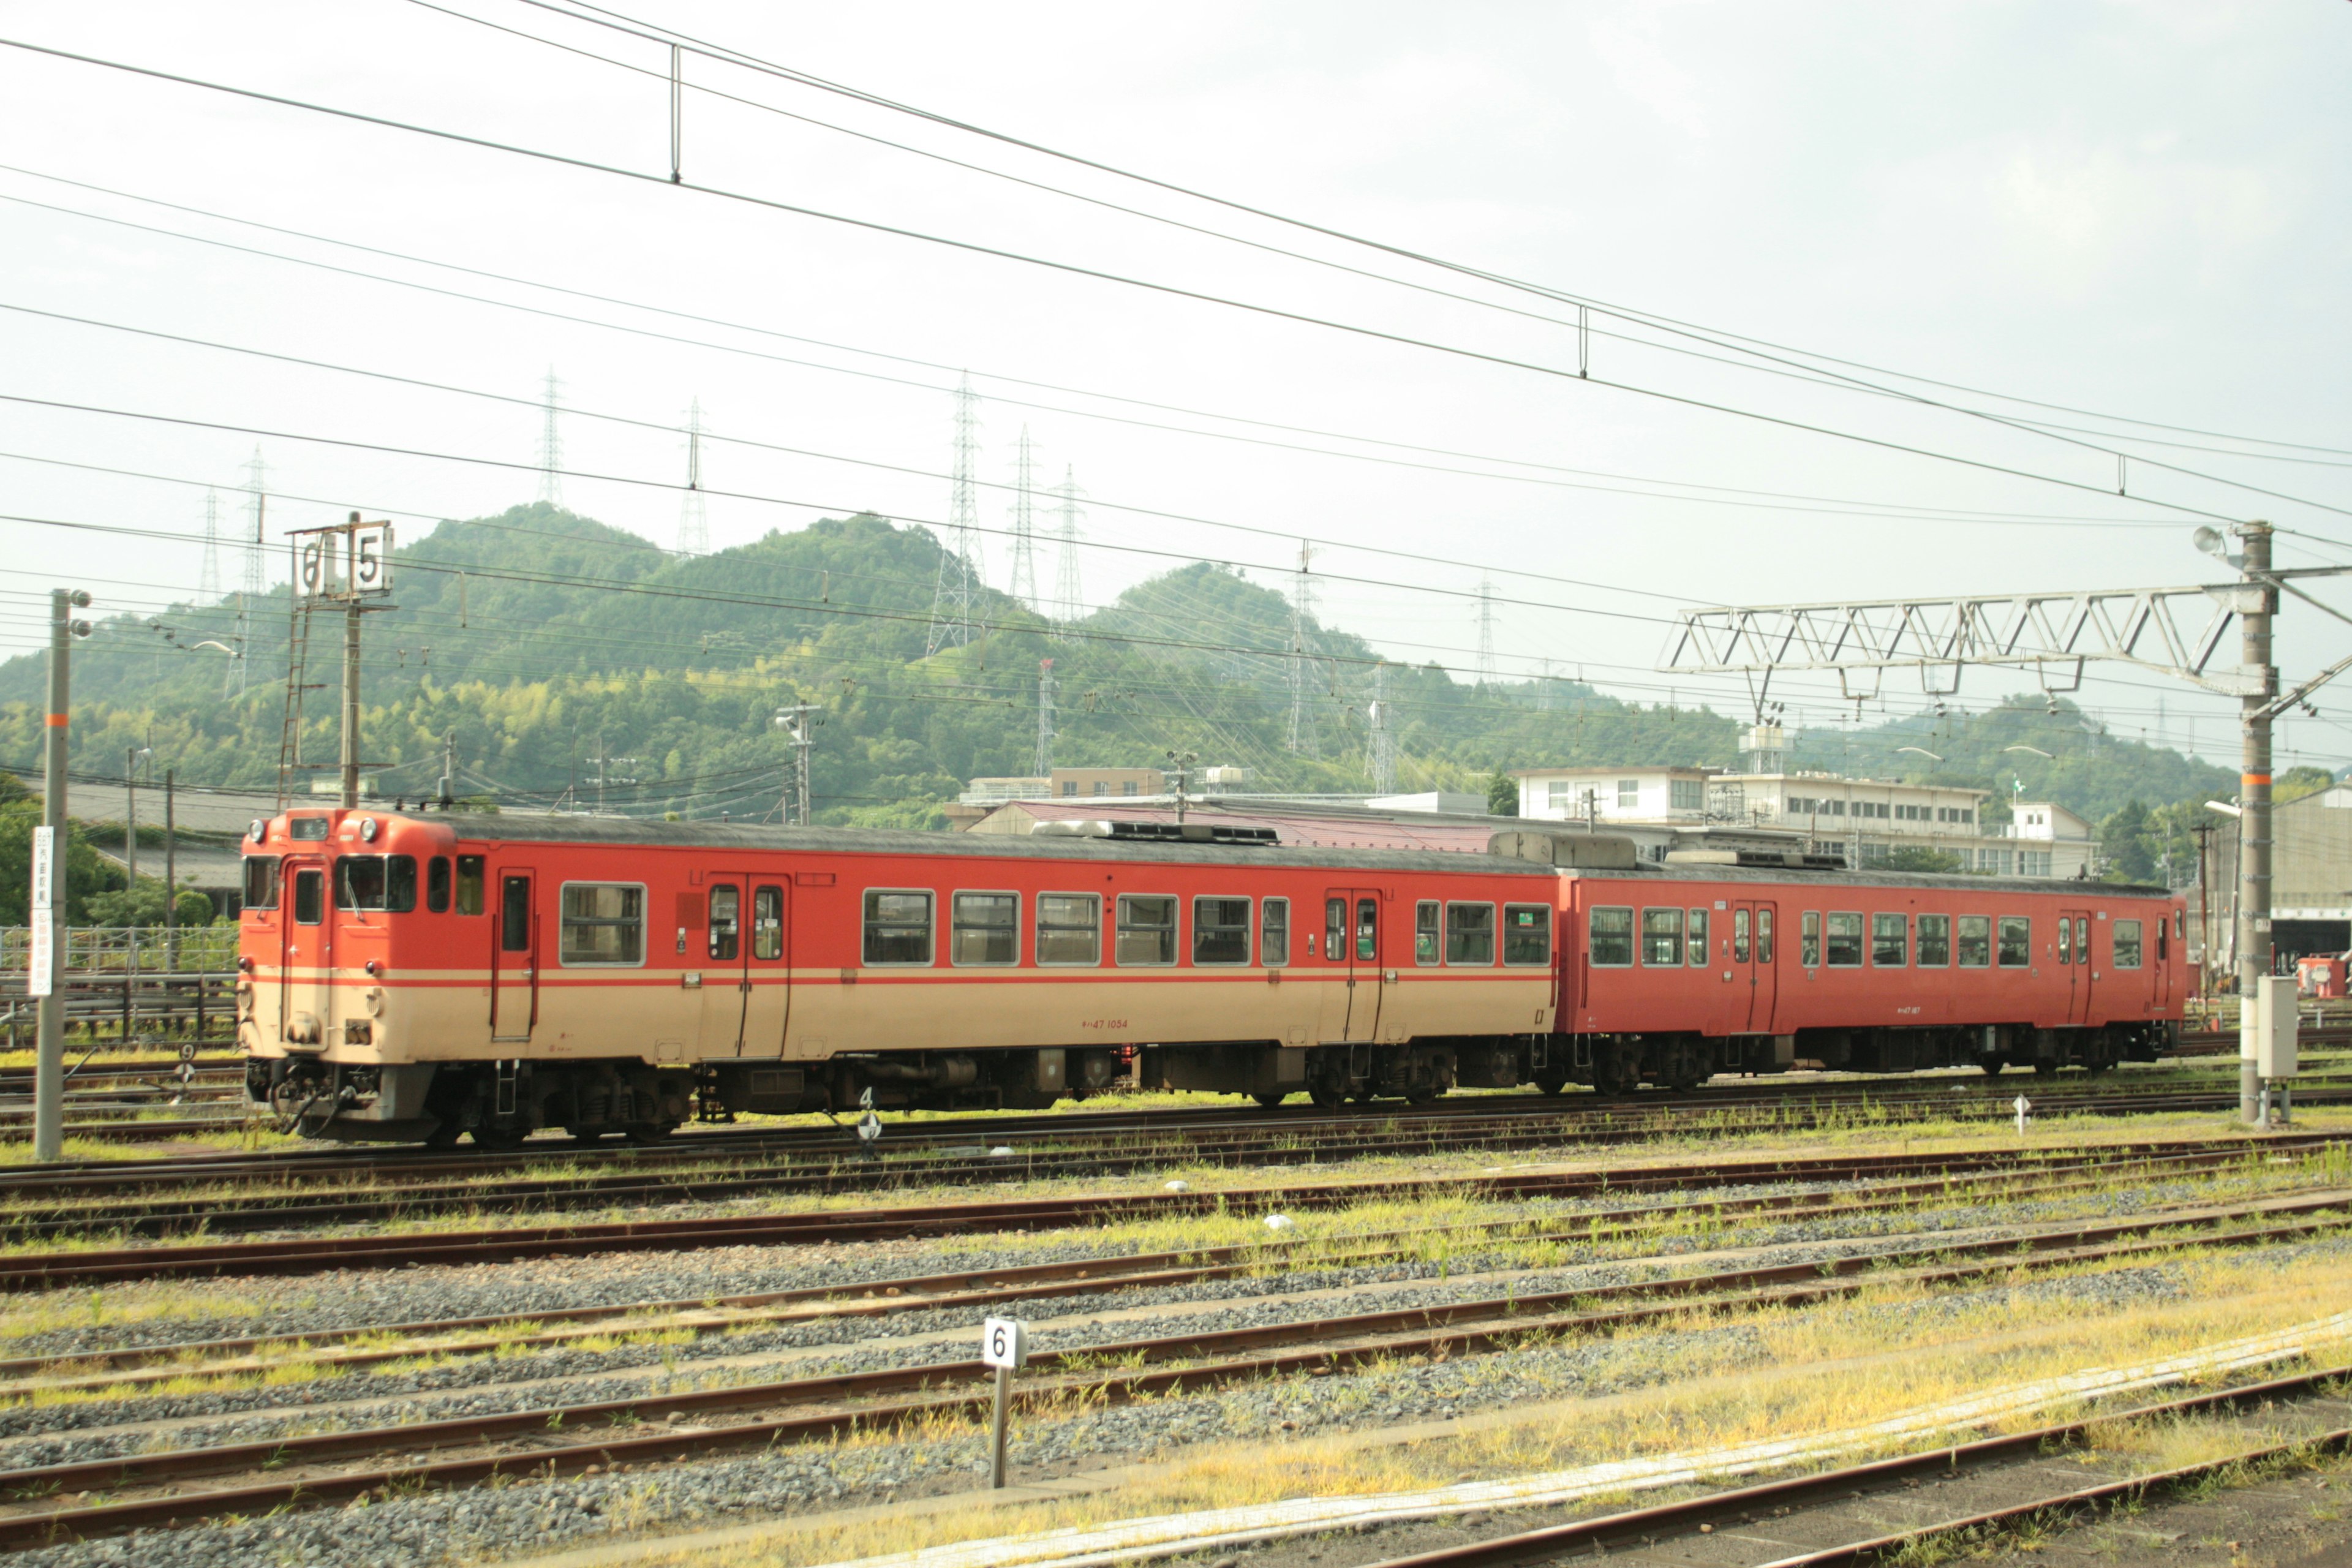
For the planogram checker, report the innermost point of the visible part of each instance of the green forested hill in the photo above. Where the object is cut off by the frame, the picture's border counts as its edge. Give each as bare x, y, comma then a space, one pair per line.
537, 641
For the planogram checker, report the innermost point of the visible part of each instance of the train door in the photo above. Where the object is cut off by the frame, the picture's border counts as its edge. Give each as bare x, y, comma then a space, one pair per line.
1751, 986
1351, 950
514, 957
2075, 957
727, 956
306, 963
768, 996
2163, 950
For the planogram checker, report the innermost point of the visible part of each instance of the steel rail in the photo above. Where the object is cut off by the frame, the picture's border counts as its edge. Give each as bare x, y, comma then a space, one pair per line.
887, 1298
1592, 1536
311, 1254
1334, 1344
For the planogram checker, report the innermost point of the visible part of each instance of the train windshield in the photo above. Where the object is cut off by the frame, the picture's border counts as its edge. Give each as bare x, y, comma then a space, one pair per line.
386, 883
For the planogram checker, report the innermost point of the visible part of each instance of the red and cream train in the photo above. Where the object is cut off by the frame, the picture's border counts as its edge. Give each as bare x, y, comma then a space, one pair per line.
422, 976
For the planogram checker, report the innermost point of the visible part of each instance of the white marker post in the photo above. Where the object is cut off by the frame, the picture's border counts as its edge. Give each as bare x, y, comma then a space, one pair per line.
1004, 1344
2024, 1113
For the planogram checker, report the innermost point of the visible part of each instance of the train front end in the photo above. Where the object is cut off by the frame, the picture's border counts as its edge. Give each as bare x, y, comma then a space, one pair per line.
335, 993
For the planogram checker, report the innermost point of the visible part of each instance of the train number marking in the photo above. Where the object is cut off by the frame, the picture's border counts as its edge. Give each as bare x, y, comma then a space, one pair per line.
1102, 1024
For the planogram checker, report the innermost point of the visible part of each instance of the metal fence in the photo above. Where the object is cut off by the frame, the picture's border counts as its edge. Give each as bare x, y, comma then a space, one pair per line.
125, 950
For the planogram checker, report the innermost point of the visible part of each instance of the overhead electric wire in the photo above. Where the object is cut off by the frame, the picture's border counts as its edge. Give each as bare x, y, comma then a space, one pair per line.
1125, 280
1716, 495
583, 11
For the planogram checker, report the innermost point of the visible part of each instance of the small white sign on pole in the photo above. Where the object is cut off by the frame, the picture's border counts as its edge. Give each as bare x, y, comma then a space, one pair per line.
1004, 1342
41, 976
2024, 1108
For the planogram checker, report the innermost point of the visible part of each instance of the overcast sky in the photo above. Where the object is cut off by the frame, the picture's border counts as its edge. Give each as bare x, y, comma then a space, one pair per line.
2134, 210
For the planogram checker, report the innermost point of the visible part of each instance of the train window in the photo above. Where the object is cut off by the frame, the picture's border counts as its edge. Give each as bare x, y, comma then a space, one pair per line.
386, 883
1845, 941
514, 914
1610, 942
261, 873
1221, 931
1973, 946
725, 923
1527, 933
1274, 933
436, 884
1662, 939
309, 897
1428, 941
1368, 929
1334, 930
897, 926
1697, 938
1740, 936
2126, 940
469, 884
986, 928
602, 923
2162, 952
2016, 942
1890, 941
1069, 929
1809, 939
768, 923
1764, 935
1470, 933
2082, 941
1934, 941
2065, 941
1147, 929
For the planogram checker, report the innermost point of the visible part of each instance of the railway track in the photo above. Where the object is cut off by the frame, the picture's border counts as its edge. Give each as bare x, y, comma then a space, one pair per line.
1957, 1493
976, 1289
147, 1490
298, 1255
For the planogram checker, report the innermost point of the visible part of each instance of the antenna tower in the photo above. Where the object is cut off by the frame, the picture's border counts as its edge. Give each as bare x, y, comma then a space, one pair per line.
1485, 631
1302, 612
1379, 758
951, 594
1025, 527
693, 521
551, 445
1069, 605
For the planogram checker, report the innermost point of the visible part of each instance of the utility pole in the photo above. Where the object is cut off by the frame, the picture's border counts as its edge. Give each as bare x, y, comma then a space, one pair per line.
1302, 607
350, 725
257, 474
1485, 631
1045, 718
347, 565
800, 723
1181, 763
49, 886
130, 812
693, 516
448, 767
171, 877
2254, 807
1025, 527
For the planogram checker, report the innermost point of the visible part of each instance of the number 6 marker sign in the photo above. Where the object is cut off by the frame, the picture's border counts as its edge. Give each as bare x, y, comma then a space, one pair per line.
1004, 1342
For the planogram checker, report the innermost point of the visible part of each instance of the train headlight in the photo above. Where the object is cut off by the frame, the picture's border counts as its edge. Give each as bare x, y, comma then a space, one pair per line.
367, 829
257, 830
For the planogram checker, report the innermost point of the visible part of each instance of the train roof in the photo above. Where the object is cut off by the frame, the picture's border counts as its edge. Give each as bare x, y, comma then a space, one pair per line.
643, 832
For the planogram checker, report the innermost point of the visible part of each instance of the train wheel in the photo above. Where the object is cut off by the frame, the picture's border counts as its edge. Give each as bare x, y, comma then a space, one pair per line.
1327, 1096
1551, 1082
500, 1137
651, 1131
1271, 1098
2101, 1064
1991, 1069
442, 1137
2045, 1069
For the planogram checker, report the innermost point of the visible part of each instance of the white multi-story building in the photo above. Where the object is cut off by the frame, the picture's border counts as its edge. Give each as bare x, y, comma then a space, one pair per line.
1868, 819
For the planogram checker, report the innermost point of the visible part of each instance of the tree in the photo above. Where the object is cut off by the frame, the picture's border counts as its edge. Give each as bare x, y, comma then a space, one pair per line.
143, 905
86, 871
1920, 857
2296, 783
1502, 795
2124, 845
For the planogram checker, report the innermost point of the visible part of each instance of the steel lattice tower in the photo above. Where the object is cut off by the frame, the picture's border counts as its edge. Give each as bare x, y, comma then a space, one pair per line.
1025, 527
1069, 605
551, 446
693, 517
1380, 755
1302, 613
951, 595
208, 575
1045, 718
256, 474
1485, 631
